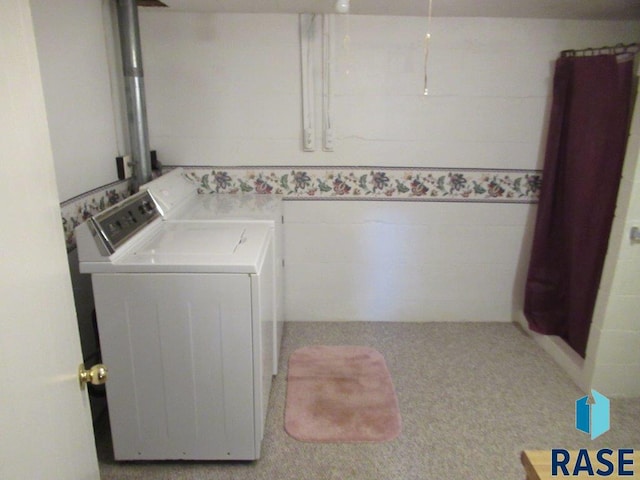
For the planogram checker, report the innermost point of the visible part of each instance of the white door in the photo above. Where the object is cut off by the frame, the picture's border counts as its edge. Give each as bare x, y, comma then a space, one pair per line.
45, 421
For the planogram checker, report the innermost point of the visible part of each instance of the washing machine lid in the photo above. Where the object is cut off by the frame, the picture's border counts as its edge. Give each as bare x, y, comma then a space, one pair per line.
199, 247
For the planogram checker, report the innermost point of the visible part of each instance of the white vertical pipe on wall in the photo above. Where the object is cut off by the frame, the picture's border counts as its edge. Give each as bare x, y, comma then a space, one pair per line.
327, 127
307, 22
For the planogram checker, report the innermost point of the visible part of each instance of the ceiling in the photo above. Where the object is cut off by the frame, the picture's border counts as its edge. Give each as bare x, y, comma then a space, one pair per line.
566, 9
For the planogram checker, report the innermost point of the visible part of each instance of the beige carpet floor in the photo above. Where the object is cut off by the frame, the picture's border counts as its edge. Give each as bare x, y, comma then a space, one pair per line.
471, 397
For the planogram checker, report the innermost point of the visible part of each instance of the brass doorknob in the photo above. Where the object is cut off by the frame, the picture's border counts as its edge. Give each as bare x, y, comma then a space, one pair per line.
96, 375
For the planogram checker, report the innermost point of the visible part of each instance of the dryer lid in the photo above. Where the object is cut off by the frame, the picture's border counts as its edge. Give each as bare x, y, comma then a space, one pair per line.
249, 206
171, 190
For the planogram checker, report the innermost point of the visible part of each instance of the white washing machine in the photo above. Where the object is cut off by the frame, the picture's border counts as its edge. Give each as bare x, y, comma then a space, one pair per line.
185, 318
179, 201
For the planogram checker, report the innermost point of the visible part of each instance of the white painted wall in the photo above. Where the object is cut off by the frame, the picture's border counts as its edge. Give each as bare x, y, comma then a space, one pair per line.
388, 261
222, 88
76, 50
225, 90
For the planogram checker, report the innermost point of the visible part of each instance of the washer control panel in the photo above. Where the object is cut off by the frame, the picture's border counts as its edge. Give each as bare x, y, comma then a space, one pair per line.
117, 224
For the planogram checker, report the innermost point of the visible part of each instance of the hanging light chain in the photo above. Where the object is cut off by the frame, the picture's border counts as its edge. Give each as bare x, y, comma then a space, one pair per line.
427, 40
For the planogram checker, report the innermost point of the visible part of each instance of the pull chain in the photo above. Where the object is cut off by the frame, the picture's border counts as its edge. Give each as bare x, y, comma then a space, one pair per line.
427, 39
346, 44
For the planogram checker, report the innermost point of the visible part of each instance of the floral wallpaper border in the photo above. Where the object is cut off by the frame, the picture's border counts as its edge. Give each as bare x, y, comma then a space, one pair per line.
373, 183
335, 183
77, 209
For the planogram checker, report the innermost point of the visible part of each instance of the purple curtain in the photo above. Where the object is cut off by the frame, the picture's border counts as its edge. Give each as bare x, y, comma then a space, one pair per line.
586, 143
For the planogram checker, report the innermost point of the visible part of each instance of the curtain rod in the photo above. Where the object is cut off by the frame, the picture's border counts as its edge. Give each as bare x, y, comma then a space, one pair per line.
618, 49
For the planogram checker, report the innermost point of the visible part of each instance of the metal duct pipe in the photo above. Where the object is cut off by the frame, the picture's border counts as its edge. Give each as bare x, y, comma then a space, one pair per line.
134, 89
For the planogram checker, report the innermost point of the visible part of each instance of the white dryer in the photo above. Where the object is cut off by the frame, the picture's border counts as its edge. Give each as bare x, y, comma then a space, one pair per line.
177, 197
185, 318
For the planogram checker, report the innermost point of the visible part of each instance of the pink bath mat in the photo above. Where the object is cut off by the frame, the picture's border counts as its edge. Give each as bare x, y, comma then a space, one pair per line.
340, 394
